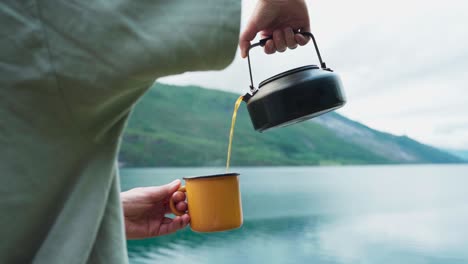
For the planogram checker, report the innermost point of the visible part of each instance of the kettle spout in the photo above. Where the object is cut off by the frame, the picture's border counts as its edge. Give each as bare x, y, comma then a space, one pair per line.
246, 97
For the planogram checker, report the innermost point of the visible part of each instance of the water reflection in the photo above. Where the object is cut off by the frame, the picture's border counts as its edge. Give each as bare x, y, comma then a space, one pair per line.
248, 244
431, 235
412, 237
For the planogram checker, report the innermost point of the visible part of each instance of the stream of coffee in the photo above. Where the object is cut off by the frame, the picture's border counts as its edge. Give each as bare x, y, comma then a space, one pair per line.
231, 132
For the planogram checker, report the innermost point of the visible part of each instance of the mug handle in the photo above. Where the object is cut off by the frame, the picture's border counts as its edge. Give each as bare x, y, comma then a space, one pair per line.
172, 204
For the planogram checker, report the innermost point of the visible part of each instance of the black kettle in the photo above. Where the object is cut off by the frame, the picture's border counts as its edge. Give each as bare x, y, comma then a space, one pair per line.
295, 95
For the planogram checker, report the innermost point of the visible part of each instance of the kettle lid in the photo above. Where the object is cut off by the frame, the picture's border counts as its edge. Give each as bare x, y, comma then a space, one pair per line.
286, 73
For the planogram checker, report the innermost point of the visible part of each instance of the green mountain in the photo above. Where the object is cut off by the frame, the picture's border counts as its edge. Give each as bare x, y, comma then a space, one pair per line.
189, 126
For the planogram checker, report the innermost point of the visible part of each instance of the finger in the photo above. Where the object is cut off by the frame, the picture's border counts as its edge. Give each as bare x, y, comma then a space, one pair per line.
166, 220
247, 35
289, 37
269, 47
159, 193
169, 226
172, 225
185, 220
301, 39
181, 206
178, 197
280, 42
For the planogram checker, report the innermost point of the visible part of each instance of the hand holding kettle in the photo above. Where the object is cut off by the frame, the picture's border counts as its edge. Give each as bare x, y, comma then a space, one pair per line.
281, 19
295, 95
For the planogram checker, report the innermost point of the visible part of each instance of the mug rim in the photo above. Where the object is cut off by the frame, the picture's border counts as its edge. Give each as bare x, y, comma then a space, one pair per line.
212, 176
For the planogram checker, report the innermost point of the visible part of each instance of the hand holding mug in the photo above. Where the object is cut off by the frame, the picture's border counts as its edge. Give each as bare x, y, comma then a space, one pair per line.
145, 209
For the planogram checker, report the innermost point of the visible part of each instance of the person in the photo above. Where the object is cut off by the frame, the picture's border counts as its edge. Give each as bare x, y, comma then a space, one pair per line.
70, 73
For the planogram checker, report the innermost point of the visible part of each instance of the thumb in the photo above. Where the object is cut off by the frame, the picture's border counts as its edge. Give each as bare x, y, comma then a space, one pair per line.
247, 35
159, 193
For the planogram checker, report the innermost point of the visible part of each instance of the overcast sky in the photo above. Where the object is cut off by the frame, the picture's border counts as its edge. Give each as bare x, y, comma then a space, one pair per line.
404, 64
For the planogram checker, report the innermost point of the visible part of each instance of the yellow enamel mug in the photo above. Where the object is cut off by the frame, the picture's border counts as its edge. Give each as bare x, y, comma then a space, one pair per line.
214, 202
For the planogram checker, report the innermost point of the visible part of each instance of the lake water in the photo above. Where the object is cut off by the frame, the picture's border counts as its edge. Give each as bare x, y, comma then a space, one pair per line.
363, 214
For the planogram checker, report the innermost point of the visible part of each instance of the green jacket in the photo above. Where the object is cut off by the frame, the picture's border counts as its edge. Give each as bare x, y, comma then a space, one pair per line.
70, 73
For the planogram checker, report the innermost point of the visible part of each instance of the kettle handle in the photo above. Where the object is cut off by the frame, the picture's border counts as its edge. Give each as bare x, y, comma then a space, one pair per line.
262, 43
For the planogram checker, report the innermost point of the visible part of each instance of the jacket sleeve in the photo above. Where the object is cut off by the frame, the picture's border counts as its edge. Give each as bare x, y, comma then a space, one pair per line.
140, 39
104, 54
